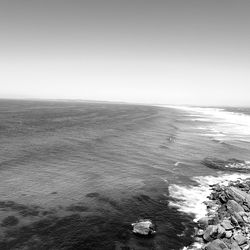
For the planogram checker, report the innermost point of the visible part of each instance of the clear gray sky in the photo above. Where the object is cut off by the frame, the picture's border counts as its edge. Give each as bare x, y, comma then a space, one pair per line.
169, 51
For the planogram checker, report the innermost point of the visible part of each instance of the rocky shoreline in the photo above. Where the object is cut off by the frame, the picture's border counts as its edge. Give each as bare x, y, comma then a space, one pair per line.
234, 165
227, 223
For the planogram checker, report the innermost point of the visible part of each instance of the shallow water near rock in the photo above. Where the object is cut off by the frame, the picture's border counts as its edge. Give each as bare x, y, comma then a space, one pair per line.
76, 175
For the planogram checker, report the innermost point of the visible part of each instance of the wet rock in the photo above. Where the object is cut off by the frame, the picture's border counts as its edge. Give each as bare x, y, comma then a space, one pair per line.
211, 233
203, 222
227, 224
216, 245
223, 197
143, 227
228, 165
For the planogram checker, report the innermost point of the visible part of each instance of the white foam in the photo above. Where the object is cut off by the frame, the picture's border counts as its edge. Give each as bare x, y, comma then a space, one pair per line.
190, 199
222, 123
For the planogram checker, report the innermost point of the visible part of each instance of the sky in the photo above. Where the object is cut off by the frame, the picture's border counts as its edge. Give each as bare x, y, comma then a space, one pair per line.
194, 52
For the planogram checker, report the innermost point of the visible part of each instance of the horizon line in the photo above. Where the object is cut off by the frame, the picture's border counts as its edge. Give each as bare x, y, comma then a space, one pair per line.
112, 102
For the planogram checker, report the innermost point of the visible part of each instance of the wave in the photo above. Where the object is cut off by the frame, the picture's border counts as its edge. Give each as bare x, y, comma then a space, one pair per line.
190, 199
220, 123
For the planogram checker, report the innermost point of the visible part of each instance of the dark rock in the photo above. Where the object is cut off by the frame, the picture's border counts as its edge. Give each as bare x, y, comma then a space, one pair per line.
228, 165
223, 197
234, 221
216, 245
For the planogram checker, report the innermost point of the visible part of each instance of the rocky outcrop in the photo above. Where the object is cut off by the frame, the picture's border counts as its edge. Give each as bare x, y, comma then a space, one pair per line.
228, 165
227, 224
144, 227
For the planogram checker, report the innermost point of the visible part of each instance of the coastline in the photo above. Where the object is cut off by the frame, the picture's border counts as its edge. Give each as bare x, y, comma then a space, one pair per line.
224, 220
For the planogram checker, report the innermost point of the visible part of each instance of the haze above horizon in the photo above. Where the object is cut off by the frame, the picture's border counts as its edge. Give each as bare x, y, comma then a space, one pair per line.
174, 52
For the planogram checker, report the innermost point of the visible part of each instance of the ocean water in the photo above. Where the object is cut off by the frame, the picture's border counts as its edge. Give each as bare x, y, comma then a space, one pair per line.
75, 175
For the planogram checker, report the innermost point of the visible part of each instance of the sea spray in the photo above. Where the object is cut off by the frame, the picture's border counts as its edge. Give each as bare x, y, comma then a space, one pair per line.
190, 199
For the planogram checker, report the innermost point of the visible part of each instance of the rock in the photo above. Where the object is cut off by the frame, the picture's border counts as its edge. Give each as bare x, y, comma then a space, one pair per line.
228, 165
234, 221
246, 208
223, 198
227, 224
144, 227
203, 222
214, 231
210, 233
240, 239
233, 206
239, 196
235, 246
238, 218
216, 245
200, 232
229, 234
246, 247
246, 218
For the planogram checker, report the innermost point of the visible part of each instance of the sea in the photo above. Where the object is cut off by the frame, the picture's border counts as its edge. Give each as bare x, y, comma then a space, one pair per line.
76, 175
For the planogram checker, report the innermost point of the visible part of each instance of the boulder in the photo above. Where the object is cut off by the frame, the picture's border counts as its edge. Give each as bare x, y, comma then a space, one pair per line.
240, 239
235, 246
238, 218
227, 224
214, 231
143, 227
216, 245
203, 222
210, 233
233, 206
229, 234
239, 196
